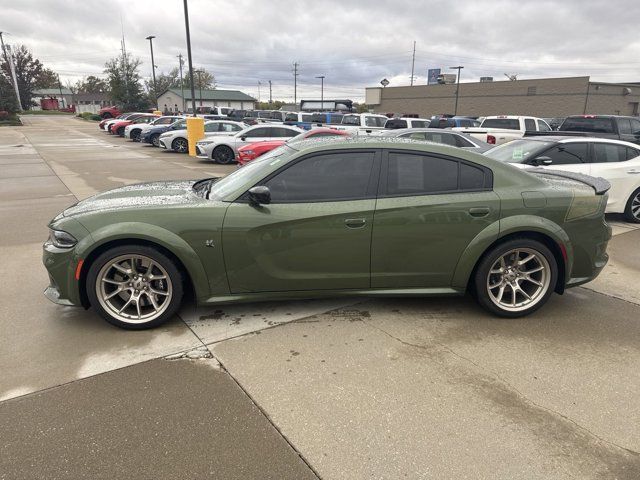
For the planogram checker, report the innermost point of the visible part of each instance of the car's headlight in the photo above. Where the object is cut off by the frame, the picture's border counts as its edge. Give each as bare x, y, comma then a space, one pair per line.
61, 239
248, 152
165, 135
205, 142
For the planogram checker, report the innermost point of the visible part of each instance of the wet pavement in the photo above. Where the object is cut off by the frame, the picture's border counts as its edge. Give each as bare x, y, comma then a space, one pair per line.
396, 388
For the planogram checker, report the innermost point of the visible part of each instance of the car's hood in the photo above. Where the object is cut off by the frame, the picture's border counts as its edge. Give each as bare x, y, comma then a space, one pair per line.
266, 144
137, 196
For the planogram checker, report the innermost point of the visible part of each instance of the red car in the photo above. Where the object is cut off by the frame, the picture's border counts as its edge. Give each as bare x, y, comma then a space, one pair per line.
109, 112
117, 128
254, 150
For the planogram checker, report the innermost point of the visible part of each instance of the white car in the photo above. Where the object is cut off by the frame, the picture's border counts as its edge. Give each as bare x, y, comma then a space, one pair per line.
134, 130
407, 122
616, 161
499, 129
363, 123
224, 149
176, 140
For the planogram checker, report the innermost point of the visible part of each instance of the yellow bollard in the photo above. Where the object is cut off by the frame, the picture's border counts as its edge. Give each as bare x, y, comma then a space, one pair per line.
195, 132
157, 112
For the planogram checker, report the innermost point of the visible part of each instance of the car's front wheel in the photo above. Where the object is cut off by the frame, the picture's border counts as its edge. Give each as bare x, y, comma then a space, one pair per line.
155, 140
135, 135
180, 145
515, 278
223, 155
632, 210
134, 287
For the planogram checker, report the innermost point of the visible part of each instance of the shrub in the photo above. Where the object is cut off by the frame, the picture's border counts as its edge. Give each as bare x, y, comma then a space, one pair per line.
4, 115
95, 118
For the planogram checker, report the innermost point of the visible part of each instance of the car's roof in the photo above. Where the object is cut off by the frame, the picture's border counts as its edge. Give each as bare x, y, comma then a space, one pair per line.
400, 131
575, 139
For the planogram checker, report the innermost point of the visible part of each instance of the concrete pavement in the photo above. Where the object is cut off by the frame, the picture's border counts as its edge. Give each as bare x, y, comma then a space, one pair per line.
398, 388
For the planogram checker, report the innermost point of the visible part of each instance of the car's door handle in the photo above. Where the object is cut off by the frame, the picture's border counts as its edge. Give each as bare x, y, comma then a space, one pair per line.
355, 222
633, 171
479, 211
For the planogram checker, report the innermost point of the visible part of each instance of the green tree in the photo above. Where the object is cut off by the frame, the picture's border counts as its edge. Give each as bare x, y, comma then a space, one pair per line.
47, 79
125, 84
91, 84
164, 81
7, 95
204, 79
28, 72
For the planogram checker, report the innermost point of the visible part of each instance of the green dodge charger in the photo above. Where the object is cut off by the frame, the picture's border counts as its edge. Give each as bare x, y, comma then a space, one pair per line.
327, 218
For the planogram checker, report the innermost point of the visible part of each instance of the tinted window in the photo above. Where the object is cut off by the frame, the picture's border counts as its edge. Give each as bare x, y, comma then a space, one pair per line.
318, 118
624, 125
351, 120
471, 178
463, 142
291, 117
444, 138
419, 124
543, 127
306, 117
212, 127
635, 126
414, 135
395, 123
411, 174
588, 124
284, 132
465, 123
508, 123
335, 119
229, 127
567, 154
261, 132
336, 176
609, 152
375, 121
632, 153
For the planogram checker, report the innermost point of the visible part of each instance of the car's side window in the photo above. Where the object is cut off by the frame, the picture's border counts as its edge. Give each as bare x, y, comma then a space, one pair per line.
529, 124
624, 125
212, 127
285, 132
568, 153
635, 127
443, 138
411, 174
414, 135
543, 127
632, 153
462, 142
325, 177
609, 152
260, 132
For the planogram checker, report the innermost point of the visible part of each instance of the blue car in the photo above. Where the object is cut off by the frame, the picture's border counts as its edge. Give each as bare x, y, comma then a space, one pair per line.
152, 135
438, 121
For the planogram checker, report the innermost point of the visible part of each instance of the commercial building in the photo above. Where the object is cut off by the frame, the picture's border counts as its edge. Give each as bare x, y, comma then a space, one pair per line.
543, 97
171, 100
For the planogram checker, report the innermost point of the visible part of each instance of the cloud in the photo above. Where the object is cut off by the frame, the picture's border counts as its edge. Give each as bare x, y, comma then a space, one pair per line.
354, 44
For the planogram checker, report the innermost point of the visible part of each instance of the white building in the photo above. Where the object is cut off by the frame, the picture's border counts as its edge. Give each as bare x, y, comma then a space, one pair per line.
172, 101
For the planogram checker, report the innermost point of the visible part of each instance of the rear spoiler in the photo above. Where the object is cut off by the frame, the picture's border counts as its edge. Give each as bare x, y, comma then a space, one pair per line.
599, 184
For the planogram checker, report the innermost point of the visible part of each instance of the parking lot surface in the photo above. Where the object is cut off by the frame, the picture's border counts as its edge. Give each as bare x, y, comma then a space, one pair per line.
347, 388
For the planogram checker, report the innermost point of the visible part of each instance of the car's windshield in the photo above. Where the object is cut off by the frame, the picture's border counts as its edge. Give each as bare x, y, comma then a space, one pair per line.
517, 151
251, 173
506, 123
351, 120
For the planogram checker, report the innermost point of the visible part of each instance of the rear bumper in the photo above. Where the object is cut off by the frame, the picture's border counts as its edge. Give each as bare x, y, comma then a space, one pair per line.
589, 261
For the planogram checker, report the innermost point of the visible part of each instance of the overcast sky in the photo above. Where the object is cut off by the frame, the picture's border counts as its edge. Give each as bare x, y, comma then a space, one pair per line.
354, 44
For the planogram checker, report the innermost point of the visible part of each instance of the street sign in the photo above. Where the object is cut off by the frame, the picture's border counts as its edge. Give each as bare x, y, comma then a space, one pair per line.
432, 76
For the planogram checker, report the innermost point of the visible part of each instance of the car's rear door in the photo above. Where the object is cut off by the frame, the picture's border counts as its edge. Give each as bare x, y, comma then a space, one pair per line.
316, 232
429, 209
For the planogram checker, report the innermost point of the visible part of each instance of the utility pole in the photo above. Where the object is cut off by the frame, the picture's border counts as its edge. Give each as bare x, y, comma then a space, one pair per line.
186, 24
60, 87
321, 77
199, 72
12, 70
259, 83
295, 82
181, 81
153, 71
270, 93
459, 67
413, 61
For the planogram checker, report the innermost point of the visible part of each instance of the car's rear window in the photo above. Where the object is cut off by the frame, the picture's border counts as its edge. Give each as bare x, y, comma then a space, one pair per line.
587, 124
507, 123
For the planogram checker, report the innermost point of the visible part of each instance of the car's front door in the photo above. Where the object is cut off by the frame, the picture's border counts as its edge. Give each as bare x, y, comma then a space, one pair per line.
316, 232
620, 165
571, 156
429, 210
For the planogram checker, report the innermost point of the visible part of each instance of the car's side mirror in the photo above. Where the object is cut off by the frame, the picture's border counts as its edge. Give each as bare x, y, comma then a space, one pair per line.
542, 161
243, 138
259, 195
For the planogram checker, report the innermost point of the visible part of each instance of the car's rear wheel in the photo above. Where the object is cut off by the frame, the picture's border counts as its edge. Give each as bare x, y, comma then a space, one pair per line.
632, 210
180, 145
134, 287
515, 278
155, 140
135, 135
223, 154
120, 131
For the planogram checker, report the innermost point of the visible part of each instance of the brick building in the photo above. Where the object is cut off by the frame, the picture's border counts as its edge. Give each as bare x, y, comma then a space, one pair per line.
544, 97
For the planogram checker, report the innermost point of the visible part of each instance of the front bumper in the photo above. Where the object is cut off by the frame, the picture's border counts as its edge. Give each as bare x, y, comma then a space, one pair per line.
53, 294
161, 143
61, 265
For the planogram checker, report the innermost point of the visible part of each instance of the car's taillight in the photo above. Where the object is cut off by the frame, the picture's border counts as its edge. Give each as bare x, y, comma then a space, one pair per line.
491, 139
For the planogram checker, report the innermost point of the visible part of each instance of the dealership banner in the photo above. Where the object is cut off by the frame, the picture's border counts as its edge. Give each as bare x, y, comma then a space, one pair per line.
432, 76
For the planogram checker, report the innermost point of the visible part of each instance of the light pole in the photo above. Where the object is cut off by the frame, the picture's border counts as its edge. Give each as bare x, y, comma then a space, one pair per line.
153, 70
459, 67
186, 26
321, 77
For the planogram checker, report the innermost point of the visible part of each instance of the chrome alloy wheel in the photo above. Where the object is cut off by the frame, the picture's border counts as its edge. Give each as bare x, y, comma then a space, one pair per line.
180, 145
134, 288
519, 279
635, 206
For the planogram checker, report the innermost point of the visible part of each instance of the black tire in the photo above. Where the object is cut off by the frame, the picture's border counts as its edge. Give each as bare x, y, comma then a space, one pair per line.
175, 283
633, 205
223, 155
180, 145
155, 139
135, 135
483, 279
120, 132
